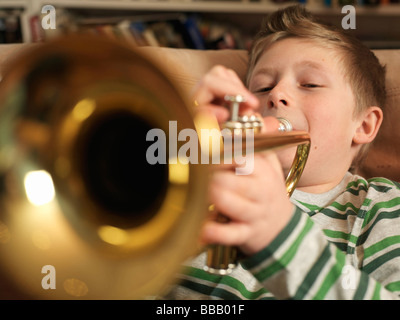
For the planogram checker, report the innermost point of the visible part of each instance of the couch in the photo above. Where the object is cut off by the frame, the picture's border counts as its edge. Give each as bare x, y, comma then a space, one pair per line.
186, 67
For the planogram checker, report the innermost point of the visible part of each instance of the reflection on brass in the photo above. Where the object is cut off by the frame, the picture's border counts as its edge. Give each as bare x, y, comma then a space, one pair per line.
75, 287
76, 190
4, 233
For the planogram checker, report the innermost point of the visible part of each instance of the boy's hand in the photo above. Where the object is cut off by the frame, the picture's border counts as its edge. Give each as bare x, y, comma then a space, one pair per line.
256, 204
215, 85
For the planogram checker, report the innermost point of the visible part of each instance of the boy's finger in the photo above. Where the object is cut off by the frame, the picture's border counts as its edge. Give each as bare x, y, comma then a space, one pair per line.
232, 205
230, 234
219, 82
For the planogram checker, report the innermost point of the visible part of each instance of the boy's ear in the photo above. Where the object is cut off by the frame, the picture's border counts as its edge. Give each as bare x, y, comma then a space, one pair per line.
369, 125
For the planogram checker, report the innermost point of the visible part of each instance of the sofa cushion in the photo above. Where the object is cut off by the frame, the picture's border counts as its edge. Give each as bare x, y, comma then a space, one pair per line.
383, 158
187, 66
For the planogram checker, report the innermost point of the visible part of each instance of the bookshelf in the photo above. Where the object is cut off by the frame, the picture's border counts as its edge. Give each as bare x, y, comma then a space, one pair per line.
378, 26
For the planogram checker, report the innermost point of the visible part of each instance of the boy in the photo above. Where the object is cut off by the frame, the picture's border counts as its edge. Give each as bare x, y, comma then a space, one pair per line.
338, 237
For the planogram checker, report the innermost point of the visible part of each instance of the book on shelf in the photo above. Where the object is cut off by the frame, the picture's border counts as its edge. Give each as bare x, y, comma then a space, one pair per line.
10, 26
175, 30
37, 32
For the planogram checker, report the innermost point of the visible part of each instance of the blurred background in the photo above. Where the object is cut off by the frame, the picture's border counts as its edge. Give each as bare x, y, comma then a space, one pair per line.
199, 24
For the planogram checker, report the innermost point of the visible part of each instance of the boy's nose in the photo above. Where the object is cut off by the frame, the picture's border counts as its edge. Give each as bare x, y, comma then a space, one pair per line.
277, 98
275, 103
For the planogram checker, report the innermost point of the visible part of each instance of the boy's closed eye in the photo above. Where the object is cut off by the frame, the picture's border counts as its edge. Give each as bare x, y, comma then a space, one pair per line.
270, 88
263, 90
311, 85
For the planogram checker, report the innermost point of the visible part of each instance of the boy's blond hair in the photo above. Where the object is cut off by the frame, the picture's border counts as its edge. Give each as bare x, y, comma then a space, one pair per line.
361, 67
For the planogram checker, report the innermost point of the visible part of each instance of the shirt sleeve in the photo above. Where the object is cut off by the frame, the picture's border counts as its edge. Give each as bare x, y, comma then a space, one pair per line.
301, 263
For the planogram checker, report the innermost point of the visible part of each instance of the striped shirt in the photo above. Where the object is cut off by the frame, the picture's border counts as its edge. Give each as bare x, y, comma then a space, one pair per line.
343, 244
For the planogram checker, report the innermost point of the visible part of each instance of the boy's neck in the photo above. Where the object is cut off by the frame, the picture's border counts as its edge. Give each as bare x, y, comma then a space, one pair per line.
320, 187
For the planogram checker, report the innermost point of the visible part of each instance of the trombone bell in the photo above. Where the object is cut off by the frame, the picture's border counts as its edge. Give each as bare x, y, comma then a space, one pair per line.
77, 195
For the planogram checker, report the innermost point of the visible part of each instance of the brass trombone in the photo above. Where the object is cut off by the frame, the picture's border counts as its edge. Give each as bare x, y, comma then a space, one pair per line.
76, 193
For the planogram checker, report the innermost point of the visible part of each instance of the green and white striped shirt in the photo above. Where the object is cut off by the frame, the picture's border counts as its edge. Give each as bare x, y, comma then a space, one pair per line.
343, 244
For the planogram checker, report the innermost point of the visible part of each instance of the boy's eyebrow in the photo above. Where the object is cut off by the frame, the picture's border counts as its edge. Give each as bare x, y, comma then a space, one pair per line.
310, 64
301, 64
264, 70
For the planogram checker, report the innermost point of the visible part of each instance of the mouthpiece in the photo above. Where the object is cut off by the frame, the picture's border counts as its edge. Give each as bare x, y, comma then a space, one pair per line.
284, 125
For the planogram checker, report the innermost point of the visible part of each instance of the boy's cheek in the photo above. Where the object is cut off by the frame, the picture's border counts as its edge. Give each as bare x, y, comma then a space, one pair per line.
286, 157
